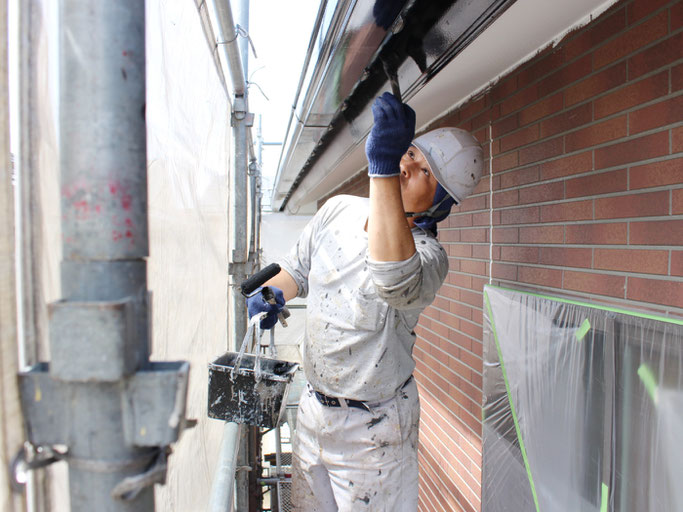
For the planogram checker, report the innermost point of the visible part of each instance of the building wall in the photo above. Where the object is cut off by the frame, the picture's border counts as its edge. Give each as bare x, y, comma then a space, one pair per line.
586, 171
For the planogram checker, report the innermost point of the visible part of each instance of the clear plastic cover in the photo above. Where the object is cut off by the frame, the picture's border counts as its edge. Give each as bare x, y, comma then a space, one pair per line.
582, 406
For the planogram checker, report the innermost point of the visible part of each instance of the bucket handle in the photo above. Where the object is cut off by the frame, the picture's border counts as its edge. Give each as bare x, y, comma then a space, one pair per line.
271, 348
254, 325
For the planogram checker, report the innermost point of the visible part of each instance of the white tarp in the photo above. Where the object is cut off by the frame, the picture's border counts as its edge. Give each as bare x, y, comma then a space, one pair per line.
279, 232
188, 149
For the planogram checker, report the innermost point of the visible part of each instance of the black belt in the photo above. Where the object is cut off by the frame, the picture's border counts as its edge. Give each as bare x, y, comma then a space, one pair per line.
331, 401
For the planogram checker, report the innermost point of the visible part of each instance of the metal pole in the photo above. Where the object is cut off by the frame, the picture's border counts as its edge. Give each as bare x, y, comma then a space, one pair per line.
243, 42
227, 40
237, 320
238, 213
104, 231
28, 237
12, 430
259, 185
240, 216
103, 153
100, 396
222, 496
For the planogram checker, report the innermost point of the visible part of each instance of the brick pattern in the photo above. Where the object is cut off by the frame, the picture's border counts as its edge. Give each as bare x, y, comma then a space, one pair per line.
586, 194
587, 146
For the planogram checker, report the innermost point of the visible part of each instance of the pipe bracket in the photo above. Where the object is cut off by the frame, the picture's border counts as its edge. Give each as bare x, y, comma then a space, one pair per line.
154, 403
93, 340
28, 458
130, 487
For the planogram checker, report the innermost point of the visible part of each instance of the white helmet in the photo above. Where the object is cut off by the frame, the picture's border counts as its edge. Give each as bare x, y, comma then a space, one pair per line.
456, 159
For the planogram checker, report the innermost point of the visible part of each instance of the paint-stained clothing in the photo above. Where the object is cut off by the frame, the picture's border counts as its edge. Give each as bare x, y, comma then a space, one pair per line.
351, 460
360, 313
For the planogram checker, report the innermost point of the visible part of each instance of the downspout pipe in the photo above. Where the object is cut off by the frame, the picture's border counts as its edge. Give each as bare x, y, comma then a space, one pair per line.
234, 440
227, 39
224, 485
99, 387
12, 430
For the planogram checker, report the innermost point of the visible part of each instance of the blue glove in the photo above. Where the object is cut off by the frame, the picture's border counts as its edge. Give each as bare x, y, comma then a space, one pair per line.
390, 137
385, 11
257, 304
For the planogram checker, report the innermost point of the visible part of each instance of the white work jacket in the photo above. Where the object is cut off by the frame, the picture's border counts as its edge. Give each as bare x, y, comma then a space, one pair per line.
360, 313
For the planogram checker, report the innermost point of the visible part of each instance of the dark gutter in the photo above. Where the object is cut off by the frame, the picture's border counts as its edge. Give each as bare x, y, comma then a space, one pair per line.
429, 35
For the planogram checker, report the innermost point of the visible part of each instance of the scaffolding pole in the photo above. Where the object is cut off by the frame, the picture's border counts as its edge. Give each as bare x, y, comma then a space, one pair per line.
240, 264
12, 430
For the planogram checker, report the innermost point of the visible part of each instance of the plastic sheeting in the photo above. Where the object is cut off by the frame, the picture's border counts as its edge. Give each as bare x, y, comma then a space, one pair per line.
188, 151
36, 151
583, 407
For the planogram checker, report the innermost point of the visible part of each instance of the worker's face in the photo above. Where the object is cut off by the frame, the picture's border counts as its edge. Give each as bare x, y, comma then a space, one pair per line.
418, 185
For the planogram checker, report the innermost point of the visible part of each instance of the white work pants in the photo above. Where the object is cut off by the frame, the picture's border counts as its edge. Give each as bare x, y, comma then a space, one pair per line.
347, 459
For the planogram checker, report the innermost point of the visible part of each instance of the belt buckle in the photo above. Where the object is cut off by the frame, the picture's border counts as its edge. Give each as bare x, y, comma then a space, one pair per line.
364, 406
330, 401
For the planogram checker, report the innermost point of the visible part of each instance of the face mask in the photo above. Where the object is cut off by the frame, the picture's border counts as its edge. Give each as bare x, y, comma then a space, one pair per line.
440, 209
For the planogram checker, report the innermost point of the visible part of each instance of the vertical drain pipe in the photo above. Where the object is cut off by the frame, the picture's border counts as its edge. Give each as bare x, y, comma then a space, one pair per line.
234, 440
239, 272
248, 487
259, 190
104, 229
85, 397
100, 396
12, 430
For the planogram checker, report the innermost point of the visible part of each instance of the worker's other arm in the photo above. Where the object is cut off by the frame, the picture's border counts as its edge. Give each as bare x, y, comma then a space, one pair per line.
285, 282
389, 235
283, 288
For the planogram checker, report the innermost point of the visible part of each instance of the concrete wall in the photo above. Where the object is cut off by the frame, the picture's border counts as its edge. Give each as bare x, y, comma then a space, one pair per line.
586, 200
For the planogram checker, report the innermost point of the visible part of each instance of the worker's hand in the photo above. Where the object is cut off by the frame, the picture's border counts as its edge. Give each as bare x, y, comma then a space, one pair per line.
257, 304
385, 12
390, 137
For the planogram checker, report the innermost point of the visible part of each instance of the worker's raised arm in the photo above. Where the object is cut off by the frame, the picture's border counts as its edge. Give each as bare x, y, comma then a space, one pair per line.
389, 236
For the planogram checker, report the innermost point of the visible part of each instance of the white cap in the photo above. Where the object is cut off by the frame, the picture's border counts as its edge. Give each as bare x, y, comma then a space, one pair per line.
456, 159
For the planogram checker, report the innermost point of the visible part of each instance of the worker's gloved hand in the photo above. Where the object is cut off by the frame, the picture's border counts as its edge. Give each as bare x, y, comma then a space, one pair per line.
390, 137
385, 12
256, 303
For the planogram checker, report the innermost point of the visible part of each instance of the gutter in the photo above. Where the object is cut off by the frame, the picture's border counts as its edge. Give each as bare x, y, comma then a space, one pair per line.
419, 40
224, 46
491, 45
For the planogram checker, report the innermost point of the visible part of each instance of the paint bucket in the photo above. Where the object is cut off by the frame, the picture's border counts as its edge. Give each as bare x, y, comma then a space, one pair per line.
247, 388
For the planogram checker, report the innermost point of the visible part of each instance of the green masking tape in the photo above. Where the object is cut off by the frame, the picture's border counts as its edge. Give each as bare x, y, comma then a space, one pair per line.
605, 497
512, 405
583, 330
649, 381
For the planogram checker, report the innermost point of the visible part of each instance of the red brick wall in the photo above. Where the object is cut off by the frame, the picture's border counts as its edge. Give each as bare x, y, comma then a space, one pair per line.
587, 178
